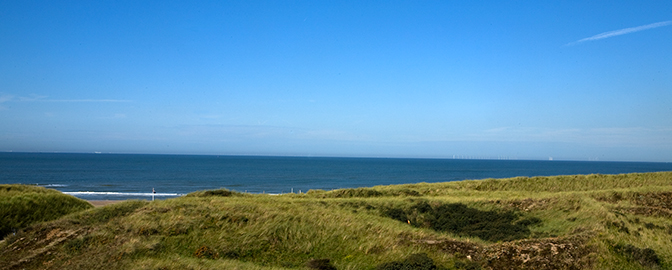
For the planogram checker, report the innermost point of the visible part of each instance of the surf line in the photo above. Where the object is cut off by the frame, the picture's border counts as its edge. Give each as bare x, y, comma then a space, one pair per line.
122, 193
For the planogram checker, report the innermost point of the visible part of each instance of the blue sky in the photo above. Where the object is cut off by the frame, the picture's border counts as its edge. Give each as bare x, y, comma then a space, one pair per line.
574, 80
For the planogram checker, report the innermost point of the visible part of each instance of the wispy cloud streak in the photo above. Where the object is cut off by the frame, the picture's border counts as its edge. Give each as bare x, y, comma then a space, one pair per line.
621, 32
37, 98
86, 100
5, 98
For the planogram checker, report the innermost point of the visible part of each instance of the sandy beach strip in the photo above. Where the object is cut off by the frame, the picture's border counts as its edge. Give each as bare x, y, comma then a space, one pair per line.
99, 203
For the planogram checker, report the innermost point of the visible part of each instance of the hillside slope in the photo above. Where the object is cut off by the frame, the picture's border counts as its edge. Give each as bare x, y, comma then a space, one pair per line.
22, 205
562, 222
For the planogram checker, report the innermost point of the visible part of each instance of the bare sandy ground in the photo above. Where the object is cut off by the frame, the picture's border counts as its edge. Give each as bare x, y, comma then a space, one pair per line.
103, 202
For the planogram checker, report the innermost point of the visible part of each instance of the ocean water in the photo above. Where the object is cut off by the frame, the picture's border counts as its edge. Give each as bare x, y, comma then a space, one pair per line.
126, 176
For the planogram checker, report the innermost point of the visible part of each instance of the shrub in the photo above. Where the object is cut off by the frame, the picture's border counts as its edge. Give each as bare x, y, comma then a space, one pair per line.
222, 192
457, 218
418, 261
320, 264
646, 256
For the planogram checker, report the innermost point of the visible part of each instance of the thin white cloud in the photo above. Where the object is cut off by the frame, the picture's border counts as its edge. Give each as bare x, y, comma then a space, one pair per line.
5, 98
630, 136
38, 98
622, 32
32, 97
86, 100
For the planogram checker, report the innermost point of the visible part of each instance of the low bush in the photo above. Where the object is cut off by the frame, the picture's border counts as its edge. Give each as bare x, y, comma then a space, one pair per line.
462, 220
222, 192
418, 261
320, 264
644, 256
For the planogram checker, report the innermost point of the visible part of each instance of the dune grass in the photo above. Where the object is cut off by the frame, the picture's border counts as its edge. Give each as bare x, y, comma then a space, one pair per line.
562, 222
22, 205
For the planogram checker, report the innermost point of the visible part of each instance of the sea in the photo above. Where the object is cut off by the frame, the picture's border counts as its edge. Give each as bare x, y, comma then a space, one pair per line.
150, 177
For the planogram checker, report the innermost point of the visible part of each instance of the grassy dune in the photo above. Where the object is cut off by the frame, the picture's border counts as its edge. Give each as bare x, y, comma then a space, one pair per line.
562, 222
21, 206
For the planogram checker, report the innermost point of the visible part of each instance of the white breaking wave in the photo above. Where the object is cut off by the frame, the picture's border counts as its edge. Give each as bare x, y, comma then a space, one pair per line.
55, 185
149, 194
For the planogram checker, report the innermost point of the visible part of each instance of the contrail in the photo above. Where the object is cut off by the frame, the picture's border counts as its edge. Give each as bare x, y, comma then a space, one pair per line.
622, 32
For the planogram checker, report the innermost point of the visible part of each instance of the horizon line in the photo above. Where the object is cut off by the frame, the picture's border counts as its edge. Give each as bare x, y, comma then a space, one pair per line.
462, 157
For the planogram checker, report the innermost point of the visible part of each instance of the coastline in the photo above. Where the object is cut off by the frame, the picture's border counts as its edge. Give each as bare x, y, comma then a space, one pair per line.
573, 221
94, 177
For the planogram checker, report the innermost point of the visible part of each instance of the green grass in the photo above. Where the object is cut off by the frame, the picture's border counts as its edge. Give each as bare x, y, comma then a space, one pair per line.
562, 222
21, 206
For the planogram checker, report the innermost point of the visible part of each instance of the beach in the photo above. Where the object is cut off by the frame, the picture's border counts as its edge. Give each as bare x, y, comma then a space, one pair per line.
99, 203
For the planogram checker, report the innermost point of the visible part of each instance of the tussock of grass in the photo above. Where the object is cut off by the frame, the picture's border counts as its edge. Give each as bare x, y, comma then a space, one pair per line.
215, 193
563, 222
365, 193
21, 206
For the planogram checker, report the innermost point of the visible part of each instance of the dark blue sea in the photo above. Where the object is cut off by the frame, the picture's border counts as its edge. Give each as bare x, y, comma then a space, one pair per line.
126, 176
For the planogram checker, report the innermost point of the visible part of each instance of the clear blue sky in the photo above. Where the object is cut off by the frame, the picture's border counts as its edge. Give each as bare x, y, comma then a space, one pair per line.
576, 80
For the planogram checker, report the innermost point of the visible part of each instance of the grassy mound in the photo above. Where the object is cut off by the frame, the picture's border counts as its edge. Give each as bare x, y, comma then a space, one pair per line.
215, 193
608, 222
21, 206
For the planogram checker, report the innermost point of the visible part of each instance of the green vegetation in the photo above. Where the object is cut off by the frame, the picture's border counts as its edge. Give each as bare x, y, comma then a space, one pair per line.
562, 222
215, 193
21, 206
457, 218
413, 262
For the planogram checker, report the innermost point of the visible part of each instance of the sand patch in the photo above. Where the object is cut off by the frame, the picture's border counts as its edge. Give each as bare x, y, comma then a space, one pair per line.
99, 203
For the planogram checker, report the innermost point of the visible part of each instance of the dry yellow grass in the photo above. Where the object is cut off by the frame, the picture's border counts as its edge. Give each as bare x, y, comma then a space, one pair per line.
563, 222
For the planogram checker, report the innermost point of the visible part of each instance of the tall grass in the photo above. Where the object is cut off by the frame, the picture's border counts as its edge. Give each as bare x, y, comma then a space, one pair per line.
572, 222
21, 206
